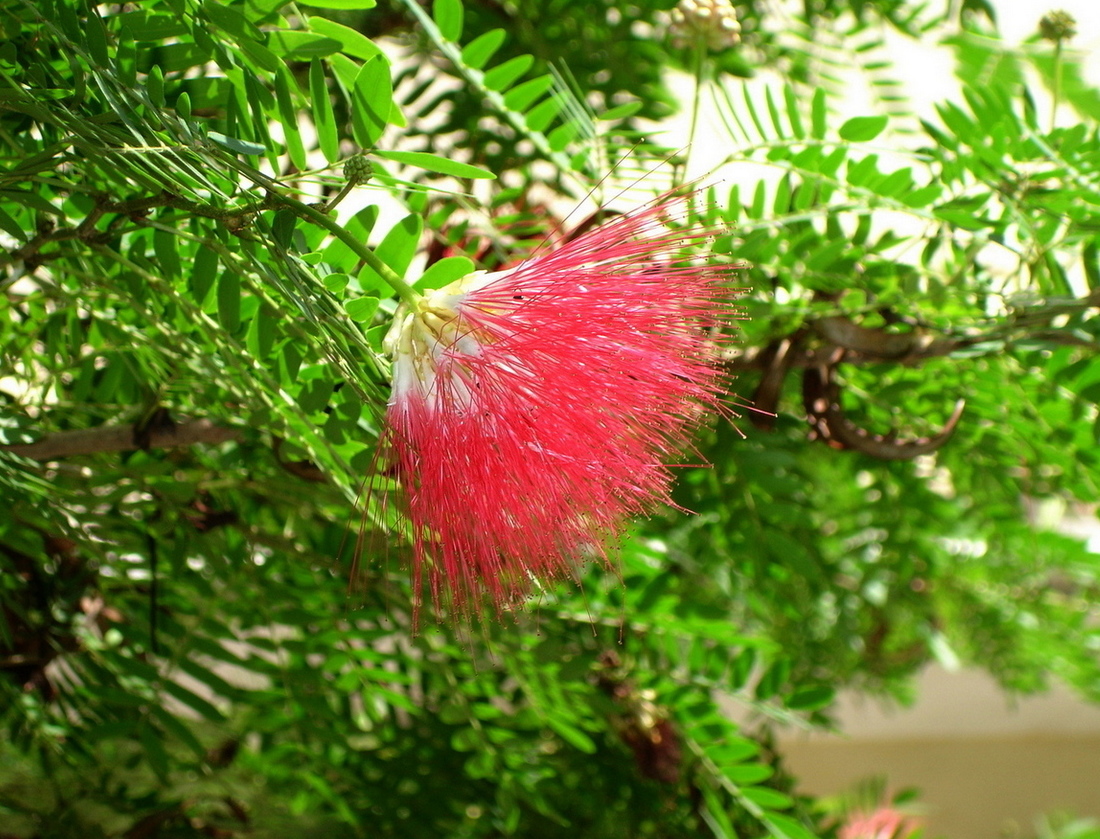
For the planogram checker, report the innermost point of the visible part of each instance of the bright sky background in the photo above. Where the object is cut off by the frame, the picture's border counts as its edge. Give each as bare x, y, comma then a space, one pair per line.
1019, 18
925, 69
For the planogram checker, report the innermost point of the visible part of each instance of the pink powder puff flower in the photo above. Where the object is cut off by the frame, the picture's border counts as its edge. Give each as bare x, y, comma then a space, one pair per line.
883, 823
532, 409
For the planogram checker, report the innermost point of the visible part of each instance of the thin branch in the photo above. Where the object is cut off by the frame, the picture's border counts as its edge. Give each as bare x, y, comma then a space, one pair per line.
86, 231
873, 345
123, 438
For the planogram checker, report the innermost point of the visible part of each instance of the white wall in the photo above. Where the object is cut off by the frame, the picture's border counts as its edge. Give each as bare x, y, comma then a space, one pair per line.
987, 764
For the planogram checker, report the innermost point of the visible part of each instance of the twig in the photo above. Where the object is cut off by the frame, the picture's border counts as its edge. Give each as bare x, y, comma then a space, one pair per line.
122, 438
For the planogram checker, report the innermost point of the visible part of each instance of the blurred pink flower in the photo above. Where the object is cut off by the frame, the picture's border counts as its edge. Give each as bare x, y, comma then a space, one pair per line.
533, 408
883, 823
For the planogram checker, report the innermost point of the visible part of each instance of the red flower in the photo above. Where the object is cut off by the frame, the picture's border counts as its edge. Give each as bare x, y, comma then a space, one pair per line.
533, 409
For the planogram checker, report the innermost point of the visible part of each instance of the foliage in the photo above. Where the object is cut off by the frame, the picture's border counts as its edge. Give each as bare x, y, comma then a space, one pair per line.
181, 652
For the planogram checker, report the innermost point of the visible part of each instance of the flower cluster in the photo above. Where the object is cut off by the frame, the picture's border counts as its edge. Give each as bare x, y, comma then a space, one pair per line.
533, 408
714, 22
1058, 26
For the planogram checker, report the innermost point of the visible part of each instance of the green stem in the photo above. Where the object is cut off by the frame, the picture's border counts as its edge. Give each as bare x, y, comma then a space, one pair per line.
1057, 92
348, 187
276, 198
405, 291
700, 51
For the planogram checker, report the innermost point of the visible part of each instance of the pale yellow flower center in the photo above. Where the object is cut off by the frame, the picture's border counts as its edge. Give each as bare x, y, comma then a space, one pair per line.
419, 337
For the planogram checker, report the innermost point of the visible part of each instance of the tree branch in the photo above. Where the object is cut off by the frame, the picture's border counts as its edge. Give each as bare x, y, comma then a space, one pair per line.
865, 345
122, 438
235, 219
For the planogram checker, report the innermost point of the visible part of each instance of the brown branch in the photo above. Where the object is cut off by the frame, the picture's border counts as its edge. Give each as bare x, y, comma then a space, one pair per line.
235, 219
122, 438
775, 361
759, 359
821, 396
872, 345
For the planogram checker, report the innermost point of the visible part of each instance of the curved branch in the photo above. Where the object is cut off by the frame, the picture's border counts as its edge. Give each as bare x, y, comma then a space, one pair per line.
875, 343
822, 399
775, 362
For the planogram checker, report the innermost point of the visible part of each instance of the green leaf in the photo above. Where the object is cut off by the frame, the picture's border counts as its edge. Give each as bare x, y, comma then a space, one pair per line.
571, 734
154, 85
232, 21
520, 97
282, 227
773, 112
445, 271
181, 731
96, 34
773, 679
126, 57
261, 56
154, 750
336, 283
70, 23
339, 4
338, 254
371, 101
151, 26
922, 197
791, 105
505, 75
1090, 261
810, 698
229, 300
623, 111
362, 309
434, 163
262, 333
784, 827
284, 86
748, 773
448, 17
781, 201
296, 45
562, 136
11, 226
714, 814
540, 116
397, 249
750, 106
733, 750
353, 43
818, 114
768, 798
290, 362
191, 699
323, 117
961, 216
344, 70
164, 246
236, 145
204, 272
862, 129
482, 48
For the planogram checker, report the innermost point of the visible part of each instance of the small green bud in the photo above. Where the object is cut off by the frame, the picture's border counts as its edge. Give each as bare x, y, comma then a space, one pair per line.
1058, 26
357, 169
